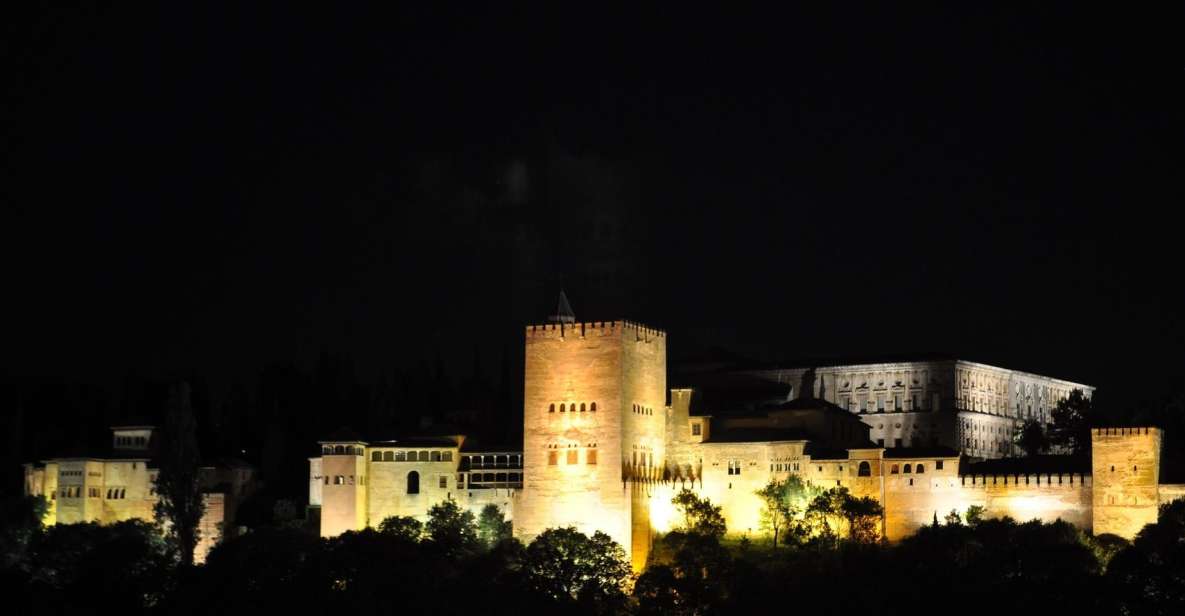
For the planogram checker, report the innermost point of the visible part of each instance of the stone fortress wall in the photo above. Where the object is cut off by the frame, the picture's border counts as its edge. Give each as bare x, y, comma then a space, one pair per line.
604, 450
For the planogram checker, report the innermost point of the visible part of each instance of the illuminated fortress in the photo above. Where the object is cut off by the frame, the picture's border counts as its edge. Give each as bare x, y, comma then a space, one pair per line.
606, 445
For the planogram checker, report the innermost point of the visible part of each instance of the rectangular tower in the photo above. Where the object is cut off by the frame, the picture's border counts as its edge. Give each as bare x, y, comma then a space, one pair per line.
593, 430
1126, 468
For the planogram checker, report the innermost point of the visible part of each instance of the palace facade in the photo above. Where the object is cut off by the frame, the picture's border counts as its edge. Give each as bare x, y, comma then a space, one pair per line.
606, 445
119, 484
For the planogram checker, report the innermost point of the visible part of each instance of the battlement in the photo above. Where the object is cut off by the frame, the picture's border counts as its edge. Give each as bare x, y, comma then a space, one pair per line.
1135, 431
593, 328
1050, 480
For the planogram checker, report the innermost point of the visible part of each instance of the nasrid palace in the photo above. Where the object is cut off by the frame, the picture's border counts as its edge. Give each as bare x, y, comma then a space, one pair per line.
607, 442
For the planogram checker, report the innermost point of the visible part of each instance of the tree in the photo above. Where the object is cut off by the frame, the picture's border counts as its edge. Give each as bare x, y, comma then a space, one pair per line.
974, 514
571, 568
698, 580
1031, 438
402, 526
492, 525
180, 505
783, 504
953, 518
700, 516
863, 516
1071, 422
451, 528
21, 519
1151, 573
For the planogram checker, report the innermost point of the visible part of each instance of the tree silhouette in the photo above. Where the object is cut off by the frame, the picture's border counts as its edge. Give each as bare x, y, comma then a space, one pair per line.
180, 505
492, 526
571, 568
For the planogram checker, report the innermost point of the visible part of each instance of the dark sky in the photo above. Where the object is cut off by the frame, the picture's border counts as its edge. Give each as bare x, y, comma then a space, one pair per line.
200, 191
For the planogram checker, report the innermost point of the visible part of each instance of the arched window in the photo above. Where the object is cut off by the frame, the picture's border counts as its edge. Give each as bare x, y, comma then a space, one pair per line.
413, 483
339, 450
376, 456
893, 470
921, 469
592, 407
908, 469
581, 407
865, 470
349, 450
551, 408
563, 408
388, 456
436, 456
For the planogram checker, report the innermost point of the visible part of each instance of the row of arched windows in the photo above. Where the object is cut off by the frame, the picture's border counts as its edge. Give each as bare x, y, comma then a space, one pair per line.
116, 493
566, 408
411, 456
909, 468
643, 410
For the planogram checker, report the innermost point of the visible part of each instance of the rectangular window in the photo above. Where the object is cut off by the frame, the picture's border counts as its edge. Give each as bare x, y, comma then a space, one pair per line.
913, 403
572, 457
446, 456
896, 402
591, 456
880, 404
400, 456
552, 458
880, 442
896, 442
695, 429
938, 465
443, 482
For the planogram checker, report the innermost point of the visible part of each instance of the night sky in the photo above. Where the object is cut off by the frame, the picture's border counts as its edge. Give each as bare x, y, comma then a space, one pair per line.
201, 192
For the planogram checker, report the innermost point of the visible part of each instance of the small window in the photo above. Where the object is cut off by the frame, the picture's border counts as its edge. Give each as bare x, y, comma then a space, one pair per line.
865, 470
446, 456
695, 429
572, 456
592, 408
591, 456
552, 458
424, 456
413, 483
339, 480
938, 465
388, 456
443, 482
339, 450
436, 456
581, 407
893, 470
376, 456
551, 408
400, 456
921, 469
563, 408
908, 470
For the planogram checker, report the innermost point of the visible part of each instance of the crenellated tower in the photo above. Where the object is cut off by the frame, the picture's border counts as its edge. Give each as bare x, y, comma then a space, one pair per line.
1126, 468
593, 429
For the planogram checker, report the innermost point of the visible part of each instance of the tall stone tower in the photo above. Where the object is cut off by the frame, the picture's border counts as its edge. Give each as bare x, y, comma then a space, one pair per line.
593, 429
1126, 477
343, 492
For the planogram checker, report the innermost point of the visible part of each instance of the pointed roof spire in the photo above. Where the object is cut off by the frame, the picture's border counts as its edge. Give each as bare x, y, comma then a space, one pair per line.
563, 311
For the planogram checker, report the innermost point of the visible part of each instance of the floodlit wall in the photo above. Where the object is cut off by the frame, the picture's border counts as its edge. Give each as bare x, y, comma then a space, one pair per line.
1126, 465
577, 460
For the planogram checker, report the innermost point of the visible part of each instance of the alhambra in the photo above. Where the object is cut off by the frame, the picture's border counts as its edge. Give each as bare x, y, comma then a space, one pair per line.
607, 443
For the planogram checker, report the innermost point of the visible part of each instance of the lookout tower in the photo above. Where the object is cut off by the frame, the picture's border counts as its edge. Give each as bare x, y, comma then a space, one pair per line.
593, 428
